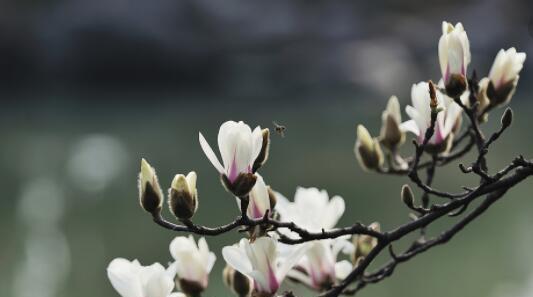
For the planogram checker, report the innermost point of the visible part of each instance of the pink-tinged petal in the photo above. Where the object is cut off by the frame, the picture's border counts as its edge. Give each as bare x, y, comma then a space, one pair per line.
208, 151
233, 172
273, 282
228, 141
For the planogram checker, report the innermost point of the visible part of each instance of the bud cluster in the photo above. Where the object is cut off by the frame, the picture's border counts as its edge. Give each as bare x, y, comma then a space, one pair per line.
442, 105
182, 194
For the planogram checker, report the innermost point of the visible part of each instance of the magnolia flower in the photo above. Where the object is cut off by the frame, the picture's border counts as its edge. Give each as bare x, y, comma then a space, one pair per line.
239, 148
454, 57
183, 196
261, 261
503, 76
313, 210
420, 114
131, 279
193, 263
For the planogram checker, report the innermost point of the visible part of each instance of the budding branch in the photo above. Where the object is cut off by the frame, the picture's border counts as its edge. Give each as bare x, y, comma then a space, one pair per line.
490, 189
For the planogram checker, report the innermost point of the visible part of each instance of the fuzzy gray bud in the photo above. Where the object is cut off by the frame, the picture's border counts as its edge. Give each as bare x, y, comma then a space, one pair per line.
150, 194
182, 196
408, 197
507, 118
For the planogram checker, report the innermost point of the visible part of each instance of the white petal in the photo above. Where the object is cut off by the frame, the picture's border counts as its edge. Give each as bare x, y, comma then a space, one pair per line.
224, 138
456, 54
259, 199
333, 212
204, 250
343, 269
208, 151
257, 143
177, 294
211, 261
156, 281
262, 254
410, 126
124, 277
191, 180
443, 54
289, 262
237, 258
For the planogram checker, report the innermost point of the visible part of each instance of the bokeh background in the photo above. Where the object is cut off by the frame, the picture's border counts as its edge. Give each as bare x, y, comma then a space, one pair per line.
89, 87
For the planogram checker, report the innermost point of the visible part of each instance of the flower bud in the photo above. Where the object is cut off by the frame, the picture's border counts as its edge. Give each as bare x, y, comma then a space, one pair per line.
182, 196
391, 135
504, 75
507, 118
263, 154
408, 197
364, 243
454, 57
367, 150
237, 282
242, 185
150, 194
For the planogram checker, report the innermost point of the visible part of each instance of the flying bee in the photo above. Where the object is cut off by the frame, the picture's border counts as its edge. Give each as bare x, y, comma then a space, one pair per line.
280, 129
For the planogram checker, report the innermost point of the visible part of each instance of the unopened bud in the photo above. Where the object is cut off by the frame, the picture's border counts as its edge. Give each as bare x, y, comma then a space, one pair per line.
364, 243
391, 135
367, 150
434, 103
150, 195
242, 185
456, 85
507, 118
237, 282
408, 197
263, 154
183, 196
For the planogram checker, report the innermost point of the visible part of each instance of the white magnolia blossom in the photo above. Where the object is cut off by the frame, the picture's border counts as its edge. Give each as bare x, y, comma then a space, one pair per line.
454, 51
193, 262
259, 199
506, 67
261, 261
420, 113
498, 88
313, 210
239, 148
131, 279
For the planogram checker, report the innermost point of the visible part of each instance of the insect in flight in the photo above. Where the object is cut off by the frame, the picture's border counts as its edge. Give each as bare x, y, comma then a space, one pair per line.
280, 129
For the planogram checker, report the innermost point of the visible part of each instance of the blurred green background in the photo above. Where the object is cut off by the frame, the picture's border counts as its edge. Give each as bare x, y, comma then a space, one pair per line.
88, 88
